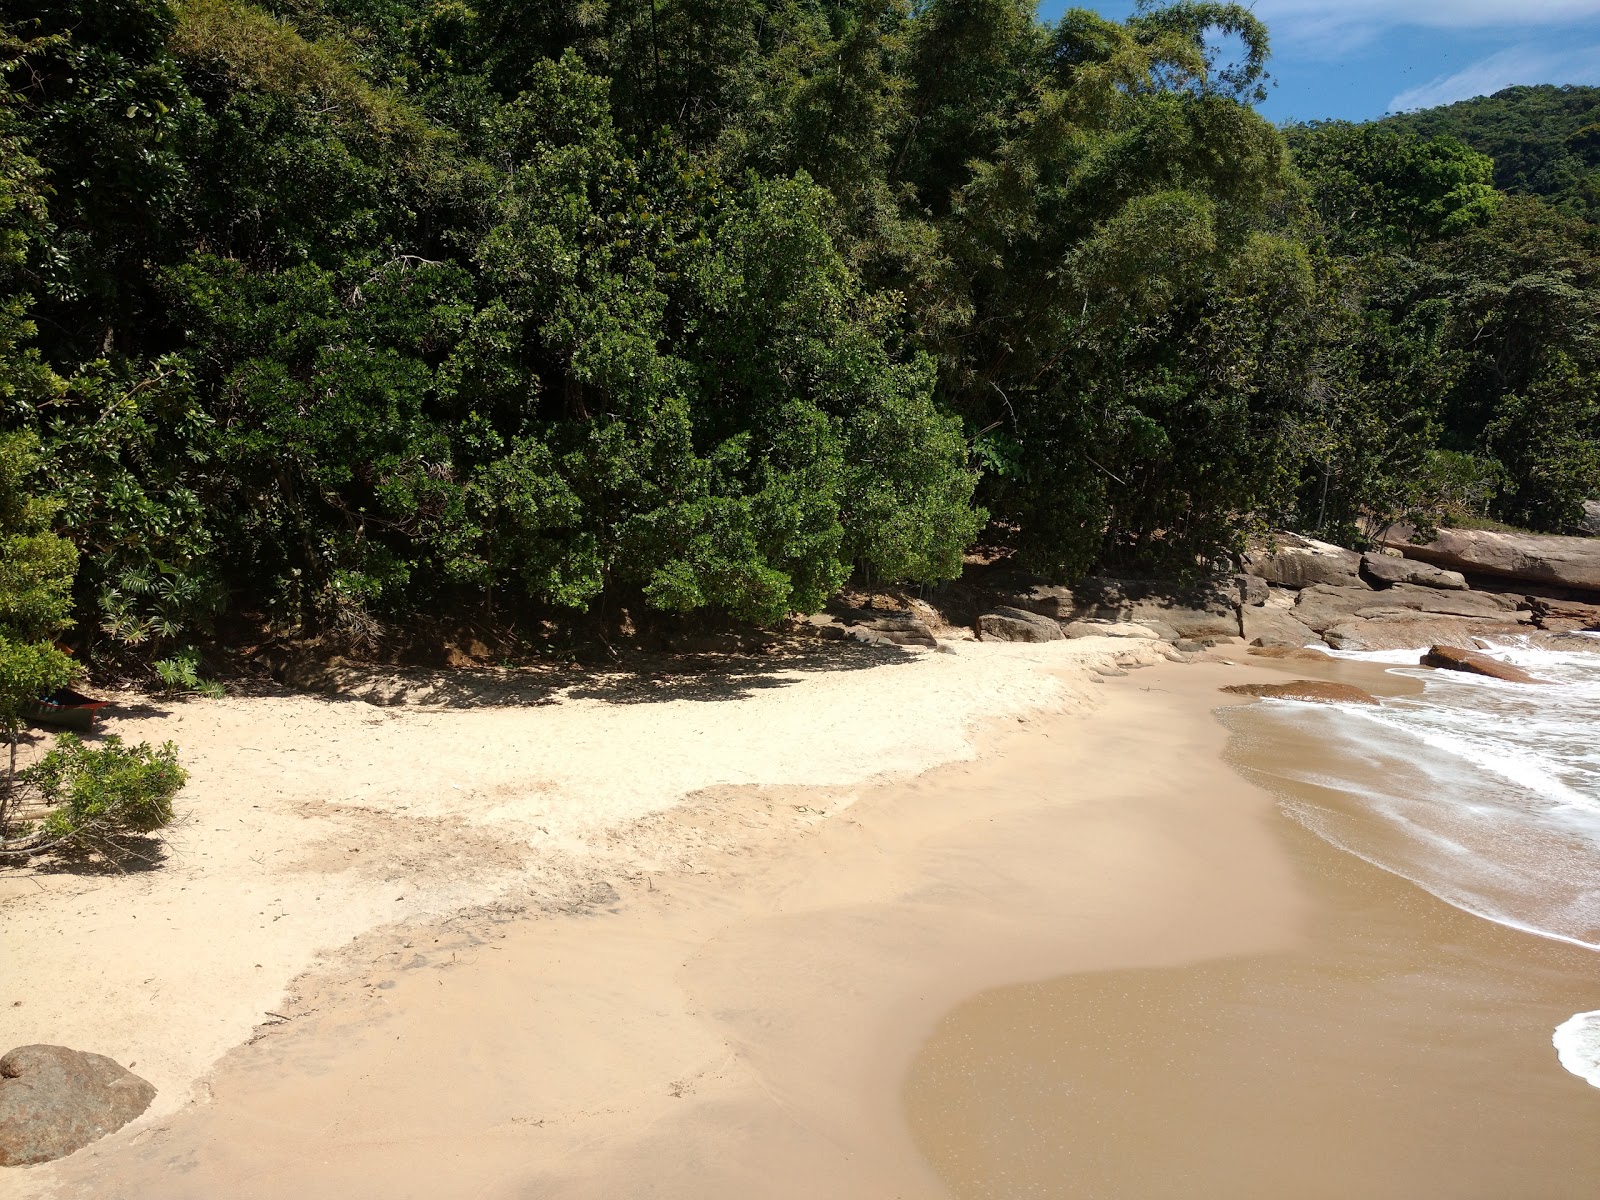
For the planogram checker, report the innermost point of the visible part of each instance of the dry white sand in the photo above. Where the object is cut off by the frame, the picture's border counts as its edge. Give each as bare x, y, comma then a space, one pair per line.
309, 822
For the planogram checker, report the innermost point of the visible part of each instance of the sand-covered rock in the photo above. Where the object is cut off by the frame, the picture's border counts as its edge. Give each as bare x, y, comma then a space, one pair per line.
54, 1100
1453, 658
1116, 629
1569, 562
1305, 689
1295, 653
1297, 562
1383, 570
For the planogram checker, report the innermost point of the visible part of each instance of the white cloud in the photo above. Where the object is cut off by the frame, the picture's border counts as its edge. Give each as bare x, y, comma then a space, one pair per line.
1334, 26
1519, 64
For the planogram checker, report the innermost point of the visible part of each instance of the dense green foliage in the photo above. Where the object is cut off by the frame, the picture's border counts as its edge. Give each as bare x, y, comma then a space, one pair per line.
1545, 140
36, 569
345, 310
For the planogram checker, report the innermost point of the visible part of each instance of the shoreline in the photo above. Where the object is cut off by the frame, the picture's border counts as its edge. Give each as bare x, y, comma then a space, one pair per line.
678, 1023
1401, 1048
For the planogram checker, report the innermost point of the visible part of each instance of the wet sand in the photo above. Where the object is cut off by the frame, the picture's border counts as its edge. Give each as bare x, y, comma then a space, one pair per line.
1401, 1050
746, 1030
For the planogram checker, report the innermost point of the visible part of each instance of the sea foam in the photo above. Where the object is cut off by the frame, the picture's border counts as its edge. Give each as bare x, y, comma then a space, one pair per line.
1577, 1042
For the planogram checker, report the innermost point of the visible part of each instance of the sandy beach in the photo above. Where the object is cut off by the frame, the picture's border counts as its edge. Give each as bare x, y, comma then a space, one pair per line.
318, 835
764, 962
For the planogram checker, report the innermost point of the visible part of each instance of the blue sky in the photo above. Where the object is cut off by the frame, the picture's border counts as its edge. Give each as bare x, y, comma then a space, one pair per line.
1358, 59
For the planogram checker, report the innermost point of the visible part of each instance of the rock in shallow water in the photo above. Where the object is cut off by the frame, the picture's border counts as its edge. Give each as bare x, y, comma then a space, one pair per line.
1305, 689
1450, 658
54, 1100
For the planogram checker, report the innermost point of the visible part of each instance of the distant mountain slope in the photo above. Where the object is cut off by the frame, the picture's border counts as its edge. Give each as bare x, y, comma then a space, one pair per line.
1544, 140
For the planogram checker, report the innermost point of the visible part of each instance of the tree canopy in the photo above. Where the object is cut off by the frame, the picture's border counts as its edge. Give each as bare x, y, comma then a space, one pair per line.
342, 311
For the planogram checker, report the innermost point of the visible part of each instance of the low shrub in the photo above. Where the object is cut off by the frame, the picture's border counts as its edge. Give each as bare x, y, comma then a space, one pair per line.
101, 795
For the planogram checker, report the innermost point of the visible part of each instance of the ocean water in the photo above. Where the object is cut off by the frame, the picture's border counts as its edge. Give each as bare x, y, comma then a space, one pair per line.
1484, 793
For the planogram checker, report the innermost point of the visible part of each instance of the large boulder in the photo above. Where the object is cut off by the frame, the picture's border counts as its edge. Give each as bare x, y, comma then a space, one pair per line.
1305, 689
1297, 562
1453, 658
1416, 631
1007, 624
1275, 627
1568, 562
1383, 570
54, 1100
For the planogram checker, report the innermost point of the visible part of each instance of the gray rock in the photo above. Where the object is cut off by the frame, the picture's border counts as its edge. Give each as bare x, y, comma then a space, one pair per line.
54, 1100
1567, 562
1017, 625
1383, 570
1297, 562
1589, 525
1275, 627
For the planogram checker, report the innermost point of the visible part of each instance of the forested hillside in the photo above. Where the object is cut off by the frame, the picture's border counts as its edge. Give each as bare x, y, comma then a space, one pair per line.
342, 311
1545, 140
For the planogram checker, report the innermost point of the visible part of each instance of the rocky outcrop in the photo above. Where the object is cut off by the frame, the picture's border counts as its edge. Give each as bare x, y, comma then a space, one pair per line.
1453, 658
1565, 616
54, 1100
1589, 523
1383, 570
1305, 689
1296, 562
1567, 562
1007, 624
1417, 629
